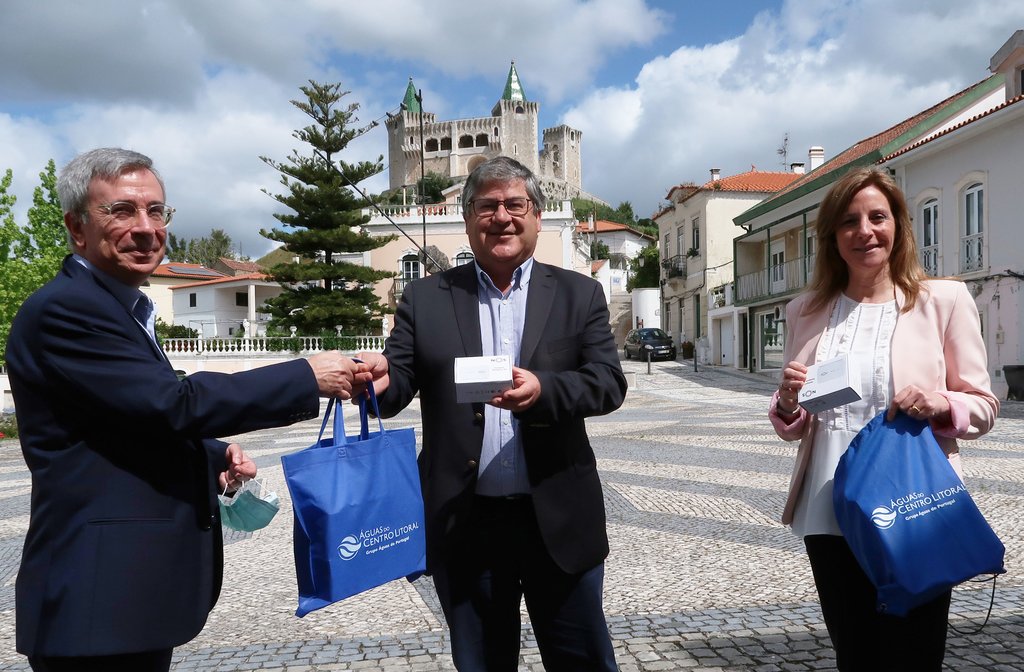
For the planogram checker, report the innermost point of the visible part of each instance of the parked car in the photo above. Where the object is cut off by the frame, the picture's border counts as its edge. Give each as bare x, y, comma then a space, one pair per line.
660, 344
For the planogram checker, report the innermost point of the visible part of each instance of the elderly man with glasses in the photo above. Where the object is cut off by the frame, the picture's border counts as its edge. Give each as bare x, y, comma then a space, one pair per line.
123, 556
513, 500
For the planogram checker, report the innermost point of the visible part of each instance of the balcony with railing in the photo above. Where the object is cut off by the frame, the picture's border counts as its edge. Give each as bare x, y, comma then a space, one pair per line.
721, 296
972, 253
930, 259
674, 267
775, 281
399, 286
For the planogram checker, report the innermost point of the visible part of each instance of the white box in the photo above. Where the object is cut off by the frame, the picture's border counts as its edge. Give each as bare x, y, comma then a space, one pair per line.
829, 384
482, 378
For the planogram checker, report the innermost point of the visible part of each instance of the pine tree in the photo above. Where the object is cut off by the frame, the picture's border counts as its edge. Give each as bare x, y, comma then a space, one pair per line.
326, 213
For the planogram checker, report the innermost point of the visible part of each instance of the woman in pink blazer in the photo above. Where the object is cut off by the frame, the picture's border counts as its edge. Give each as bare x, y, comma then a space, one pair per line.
917, 345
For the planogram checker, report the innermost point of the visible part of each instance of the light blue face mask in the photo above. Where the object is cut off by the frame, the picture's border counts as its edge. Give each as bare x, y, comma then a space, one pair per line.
246, 511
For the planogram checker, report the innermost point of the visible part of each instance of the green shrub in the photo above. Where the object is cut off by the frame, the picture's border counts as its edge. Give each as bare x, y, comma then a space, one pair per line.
8, 426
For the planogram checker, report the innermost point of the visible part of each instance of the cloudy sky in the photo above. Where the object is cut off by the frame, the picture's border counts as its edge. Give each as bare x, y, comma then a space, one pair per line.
662, 90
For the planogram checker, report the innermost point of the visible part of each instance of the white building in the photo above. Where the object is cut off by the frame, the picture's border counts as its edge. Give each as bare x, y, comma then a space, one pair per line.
170, 275
965, 189
227, 306
696, 231
959, 164
624, 246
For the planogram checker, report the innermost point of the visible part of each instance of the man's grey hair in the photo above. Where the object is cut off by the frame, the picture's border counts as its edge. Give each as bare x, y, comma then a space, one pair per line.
503, 169
106, 163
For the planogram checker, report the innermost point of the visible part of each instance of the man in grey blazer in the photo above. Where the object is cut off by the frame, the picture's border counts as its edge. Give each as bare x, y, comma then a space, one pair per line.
513, 500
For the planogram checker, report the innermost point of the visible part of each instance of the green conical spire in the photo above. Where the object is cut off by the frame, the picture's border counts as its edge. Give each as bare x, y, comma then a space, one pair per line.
513, 88
410, 102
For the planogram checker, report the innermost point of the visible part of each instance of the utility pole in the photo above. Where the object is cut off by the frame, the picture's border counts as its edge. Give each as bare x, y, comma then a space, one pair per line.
423, 183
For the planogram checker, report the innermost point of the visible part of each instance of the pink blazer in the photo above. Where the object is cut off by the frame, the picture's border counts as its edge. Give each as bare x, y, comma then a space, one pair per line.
936, 346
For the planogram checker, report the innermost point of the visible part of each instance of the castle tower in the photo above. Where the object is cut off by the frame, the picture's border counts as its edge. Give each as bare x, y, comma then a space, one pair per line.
517, 122
455, 147
560, 156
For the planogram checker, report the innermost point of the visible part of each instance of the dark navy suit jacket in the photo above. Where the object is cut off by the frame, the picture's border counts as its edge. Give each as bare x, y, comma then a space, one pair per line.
568, 345
123, 551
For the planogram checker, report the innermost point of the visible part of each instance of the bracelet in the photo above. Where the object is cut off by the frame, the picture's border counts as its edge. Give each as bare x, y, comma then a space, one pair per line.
787, 414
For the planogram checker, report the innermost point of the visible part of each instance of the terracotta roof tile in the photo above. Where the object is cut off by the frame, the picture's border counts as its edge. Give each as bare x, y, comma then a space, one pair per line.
247, 266
178, 269
874, 143
947, 131
753, 180
223, 279
604, 226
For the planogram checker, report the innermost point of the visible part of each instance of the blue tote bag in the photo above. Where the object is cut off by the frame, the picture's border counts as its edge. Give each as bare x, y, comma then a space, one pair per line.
907, 516
358, 510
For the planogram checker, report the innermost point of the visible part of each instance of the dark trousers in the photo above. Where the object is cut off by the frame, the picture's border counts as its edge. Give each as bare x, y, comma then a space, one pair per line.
865, 640
485, 580
147, 661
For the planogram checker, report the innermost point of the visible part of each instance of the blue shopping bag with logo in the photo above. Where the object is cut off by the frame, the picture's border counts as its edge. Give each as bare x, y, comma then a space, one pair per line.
907, 516
358, 510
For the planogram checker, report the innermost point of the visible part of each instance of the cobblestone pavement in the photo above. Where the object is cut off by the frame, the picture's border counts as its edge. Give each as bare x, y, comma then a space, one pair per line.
701, 575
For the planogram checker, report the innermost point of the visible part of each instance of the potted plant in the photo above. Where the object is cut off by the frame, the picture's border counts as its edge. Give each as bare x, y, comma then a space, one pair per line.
1014, 375
686, 347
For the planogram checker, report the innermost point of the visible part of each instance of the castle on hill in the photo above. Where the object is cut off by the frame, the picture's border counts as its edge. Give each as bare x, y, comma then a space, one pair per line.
453, 148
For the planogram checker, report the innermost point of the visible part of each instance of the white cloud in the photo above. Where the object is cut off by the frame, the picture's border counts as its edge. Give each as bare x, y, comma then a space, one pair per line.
203, 87
826, 73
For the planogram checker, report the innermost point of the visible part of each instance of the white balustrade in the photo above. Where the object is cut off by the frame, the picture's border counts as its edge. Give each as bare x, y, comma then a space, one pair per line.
270, 346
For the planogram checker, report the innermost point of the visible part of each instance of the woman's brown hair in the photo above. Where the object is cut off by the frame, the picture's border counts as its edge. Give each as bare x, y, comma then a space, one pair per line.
831, 274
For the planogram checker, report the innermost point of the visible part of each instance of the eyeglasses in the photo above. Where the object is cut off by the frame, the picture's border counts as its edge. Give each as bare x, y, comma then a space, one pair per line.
122, 212
486, 207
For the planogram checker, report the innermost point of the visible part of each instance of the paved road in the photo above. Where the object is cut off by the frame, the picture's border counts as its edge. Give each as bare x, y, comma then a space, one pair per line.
701, 575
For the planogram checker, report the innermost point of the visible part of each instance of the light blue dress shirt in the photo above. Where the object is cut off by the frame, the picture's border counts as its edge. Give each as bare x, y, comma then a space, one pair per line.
138, 304
502, 316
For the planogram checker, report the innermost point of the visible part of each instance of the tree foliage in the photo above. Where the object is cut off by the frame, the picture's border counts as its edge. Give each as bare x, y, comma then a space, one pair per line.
31, 255
583, 208
432, 187
647, 274
205, 251
323, 224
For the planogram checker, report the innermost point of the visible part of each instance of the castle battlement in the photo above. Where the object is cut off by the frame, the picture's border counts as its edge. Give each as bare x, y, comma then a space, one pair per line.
454, 147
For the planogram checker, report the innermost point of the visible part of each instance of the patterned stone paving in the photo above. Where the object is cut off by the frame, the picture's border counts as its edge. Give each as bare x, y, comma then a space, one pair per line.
701, 575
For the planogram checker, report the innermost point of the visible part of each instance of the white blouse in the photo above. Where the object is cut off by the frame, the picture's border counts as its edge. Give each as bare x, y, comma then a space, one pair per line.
862, 331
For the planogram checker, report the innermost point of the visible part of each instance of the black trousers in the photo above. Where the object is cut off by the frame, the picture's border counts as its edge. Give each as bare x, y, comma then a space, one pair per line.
146, 661
484, 582
865, 640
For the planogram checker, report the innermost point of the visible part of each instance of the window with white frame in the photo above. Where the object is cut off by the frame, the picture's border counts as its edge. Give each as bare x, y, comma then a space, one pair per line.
680, 241
777, 264
972, 233
695, 234
664, 251
411, 270
463, 258
810, 243
929, 243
